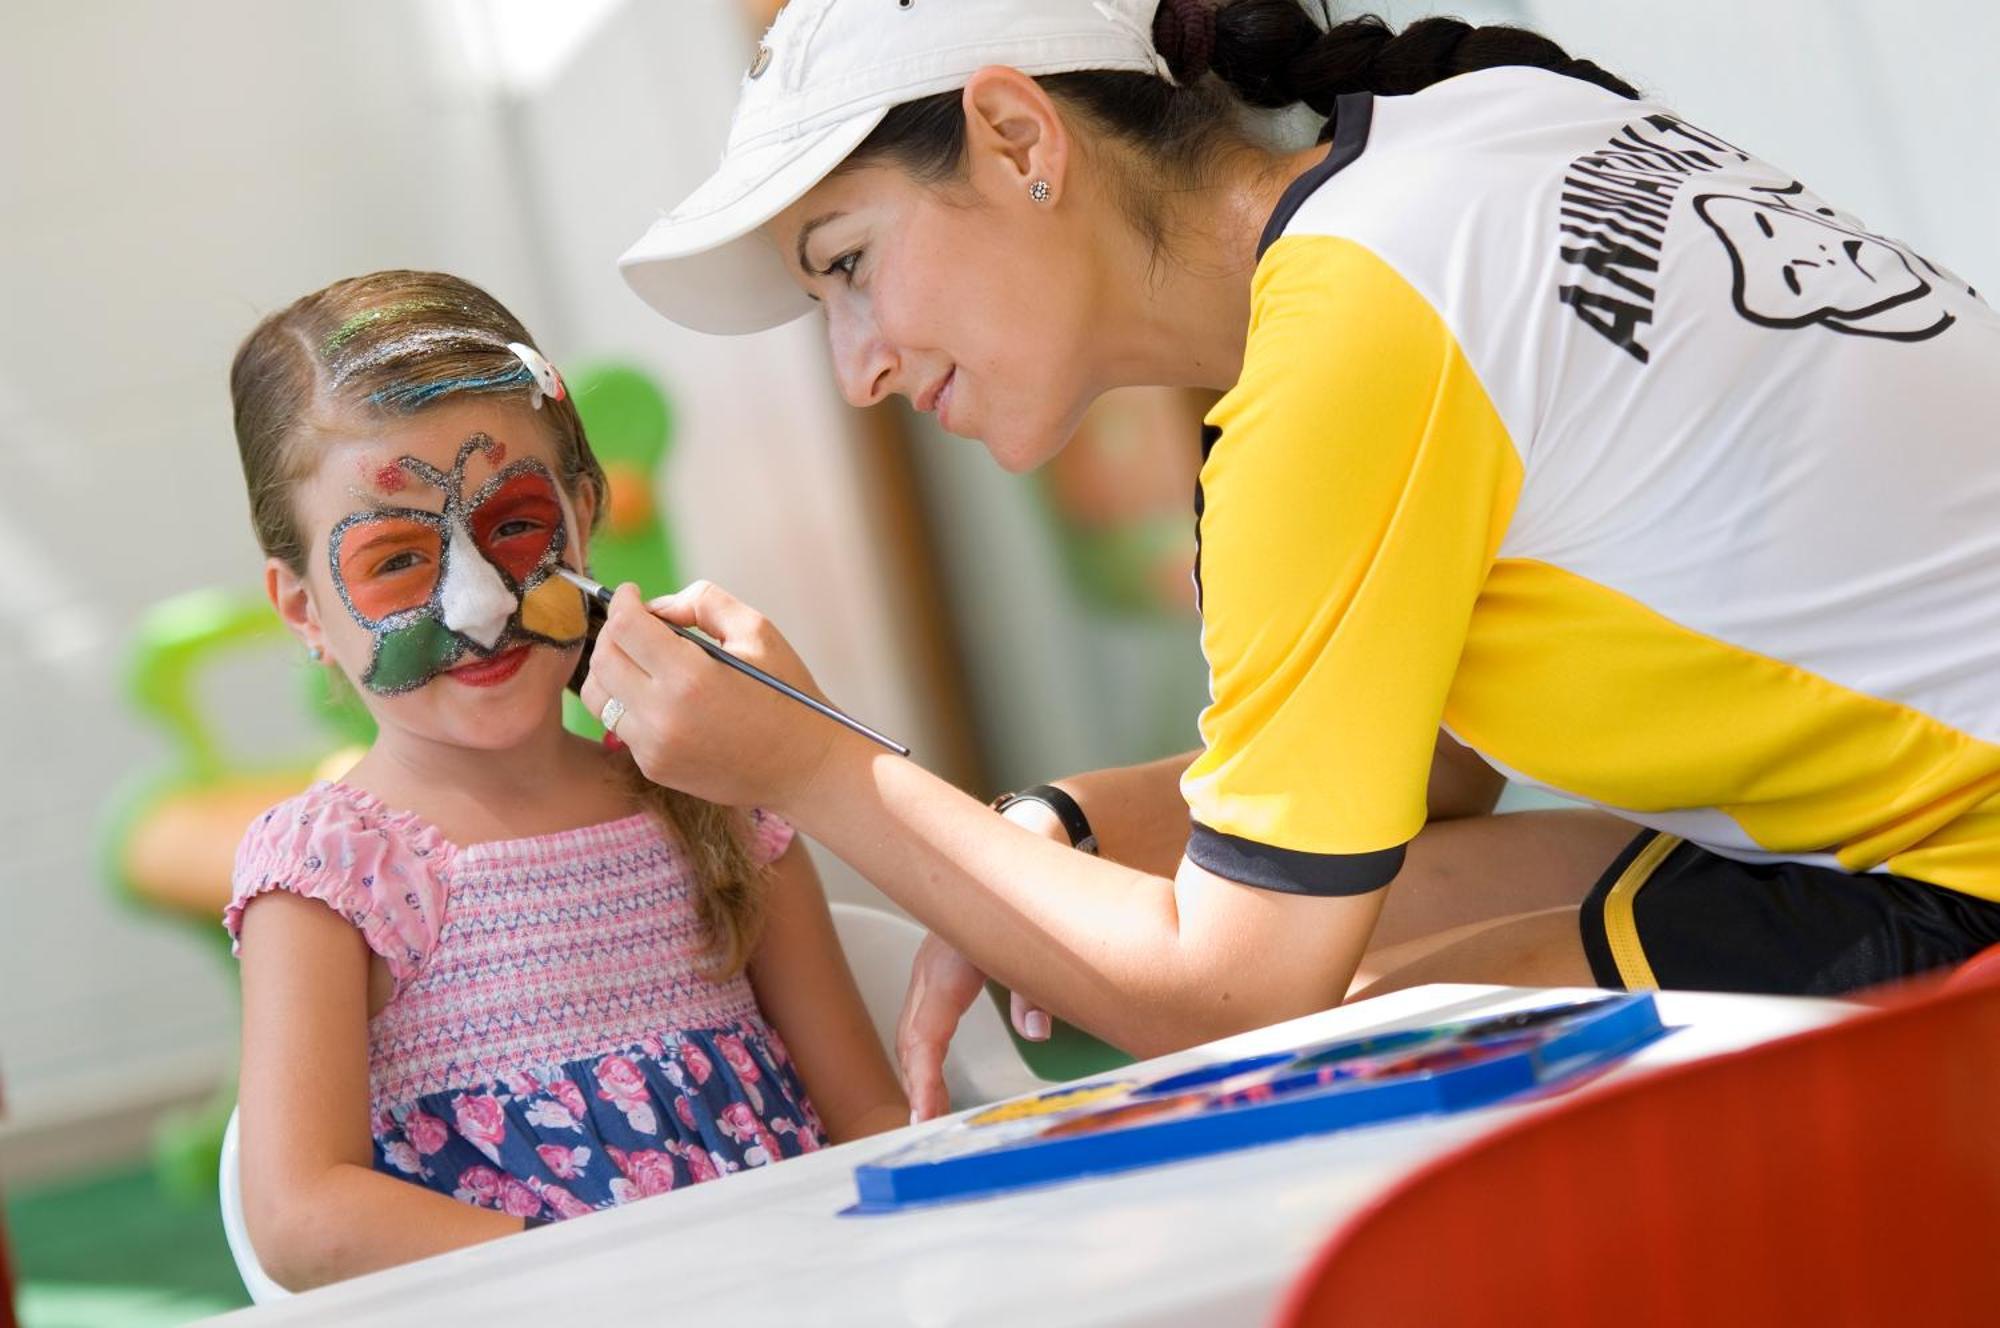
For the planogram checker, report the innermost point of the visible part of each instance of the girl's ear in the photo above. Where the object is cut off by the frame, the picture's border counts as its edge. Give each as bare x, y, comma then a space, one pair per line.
291, 597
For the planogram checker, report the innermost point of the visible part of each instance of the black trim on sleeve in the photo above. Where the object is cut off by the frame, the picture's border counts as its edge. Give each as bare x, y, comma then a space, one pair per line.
1351, 114
1247, 862
1210, 436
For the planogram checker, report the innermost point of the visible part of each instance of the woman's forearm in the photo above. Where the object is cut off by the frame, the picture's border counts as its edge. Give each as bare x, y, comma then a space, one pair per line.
1144, 961
1136, 811
1097, 943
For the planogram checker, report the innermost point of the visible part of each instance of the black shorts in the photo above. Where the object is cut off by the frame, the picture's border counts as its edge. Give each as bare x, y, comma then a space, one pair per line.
1672, 914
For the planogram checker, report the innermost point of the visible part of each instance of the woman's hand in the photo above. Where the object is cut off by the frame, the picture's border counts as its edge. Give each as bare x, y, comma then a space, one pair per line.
943, 986
694, 724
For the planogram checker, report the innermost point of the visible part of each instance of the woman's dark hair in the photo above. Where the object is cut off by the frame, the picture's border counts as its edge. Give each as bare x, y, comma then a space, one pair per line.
1264, 53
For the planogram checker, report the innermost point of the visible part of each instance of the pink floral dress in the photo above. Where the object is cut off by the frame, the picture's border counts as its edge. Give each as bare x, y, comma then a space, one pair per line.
552, 1045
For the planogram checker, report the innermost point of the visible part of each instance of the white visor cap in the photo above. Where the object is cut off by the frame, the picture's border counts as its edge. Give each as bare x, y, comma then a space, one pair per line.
823, 78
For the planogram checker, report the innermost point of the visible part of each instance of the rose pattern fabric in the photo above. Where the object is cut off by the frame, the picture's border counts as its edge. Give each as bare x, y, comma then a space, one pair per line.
676, 1111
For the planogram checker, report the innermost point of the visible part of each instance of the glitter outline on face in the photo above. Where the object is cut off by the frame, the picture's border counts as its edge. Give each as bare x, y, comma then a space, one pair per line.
438, 647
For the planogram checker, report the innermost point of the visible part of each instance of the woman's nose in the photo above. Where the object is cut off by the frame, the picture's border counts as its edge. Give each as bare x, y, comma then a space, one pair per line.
862, 361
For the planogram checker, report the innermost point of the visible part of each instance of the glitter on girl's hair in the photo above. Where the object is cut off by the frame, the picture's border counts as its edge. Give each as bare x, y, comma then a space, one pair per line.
411, 347
411, 396
346, 332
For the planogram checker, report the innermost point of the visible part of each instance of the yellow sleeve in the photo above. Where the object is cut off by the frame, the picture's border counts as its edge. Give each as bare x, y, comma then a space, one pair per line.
1355, 490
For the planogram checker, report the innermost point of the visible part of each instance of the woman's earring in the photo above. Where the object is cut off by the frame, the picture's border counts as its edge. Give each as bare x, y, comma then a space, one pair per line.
1040, 191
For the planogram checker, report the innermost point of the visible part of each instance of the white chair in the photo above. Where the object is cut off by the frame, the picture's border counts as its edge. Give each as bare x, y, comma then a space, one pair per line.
229, 1179
880, 947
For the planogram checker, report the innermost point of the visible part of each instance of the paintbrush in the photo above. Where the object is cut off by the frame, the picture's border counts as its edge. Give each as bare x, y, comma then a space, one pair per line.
602, 594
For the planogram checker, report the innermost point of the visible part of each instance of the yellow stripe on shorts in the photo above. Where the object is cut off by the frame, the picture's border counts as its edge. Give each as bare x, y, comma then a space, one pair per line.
1621, 929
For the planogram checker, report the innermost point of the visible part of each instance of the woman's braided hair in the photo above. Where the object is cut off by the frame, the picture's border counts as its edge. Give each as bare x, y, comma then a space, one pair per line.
1272, 53
1263, 53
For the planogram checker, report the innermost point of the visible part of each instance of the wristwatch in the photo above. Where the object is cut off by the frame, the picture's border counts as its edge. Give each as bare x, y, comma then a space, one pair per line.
1074, 823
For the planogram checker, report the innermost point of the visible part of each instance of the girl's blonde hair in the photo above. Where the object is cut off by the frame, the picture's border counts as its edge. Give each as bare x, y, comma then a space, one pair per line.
391, 343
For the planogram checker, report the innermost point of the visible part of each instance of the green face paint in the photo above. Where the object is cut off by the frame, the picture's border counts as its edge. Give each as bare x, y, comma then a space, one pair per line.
408, 657
473, 579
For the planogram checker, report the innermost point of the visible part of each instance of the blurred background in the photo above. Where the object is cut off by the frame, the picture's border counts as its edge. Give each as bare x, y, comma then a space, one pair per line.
168, 174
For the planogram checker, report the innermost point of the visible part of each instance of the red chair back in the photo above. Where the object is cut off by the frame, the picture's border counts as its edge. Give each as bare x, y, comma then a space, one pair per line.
1982, 967
1847, 1175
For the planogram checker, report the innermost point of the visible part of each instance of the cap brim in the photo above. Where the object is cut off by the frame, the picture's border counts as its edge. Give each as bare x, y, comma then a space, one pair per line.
704, 265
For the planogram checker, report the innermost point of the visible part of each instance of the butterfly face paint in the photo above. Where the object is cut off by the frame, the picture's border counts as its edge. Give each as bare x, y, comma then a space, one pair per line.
476, 578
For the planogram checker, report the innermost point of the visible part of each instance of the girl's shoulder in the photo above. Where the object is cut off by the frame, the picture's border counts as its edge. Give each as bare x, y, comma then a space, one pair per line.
383, 870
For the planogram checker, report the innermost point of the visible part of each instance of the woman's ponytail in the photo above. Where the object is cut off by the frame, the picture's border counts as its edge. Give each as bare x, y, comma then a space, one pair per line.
1272, 53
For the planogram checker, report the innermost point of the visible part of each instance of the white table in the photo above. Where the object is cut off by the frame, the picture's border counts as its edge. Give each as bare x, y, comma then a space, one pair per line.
1208, 1242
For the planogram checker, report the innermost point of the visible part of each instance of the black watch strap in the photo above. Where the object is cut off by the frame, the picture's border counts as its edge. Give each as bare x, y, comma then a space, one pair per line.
1074, 823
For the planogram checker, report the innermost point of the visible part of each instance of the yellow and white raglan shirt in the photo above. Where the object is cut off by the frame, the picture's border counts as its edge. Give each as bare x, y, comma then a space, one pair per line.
1619, 454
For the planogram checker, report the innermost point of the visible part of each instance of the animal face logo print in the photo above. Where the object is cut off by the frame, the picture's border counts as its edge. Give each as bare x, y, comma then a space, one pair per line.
476, 578
1797, 261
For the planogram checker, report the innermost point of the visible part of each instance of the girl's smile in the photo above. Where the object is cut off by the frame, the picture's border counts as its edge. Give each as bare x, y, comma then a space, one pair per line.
489, 672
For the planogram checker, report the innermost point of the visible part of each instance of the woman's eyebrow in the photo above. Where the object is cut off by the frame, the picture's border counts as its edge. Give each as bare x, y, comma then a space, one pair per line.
806, 232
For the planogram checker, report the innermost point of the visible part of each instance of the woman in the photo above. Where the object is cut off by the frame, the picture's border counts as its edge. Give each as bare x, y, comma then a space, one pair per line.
1562, 439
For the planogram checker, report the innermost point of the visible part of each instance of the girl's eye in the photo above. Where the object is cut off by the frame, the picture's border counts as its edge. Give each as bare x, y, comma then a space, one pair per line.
520, 525
399, 562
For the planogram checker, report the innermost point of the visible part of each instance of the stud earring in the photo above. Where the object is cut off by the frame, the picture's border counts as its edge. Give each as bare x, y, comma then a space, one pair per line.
315, 654
1040, 191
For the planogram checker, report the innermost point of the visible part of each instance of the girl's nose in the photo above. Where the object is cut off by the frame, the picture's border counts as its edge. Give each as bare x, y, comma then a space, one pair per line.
476, 603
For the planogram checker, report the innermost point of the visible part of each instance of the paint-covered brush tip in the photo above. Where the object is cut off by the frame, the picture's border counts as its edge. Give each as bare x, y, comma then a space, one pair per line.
597, 591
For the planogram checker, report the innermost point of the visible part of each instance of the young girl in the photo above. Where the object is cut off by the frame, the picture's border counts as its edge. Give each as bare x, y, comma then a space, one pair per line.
492, 977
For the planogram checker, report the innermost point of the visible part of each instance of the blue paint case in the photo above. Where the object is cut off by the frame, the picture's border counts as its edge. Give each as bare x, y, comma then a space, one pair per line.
1108, 1125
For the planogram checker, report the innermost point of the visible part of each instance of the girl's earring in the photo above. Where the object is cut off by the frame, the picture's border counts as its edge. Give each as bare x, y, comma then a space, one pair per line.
315, 654
1040, 191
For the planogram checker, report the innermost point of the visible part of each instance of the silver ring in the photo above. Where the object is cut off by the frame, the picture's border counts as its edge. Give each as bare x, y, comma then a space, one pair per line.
614, 710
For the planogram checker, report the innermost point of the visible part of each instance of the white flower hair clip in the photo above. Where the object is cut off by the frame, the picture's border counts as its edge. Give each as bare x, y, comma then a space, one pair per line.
548, 383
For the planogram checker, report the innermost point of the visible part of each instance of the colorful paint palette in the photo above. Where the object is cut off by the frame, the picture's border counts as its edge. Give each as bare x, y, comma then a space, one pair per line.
1121, 1123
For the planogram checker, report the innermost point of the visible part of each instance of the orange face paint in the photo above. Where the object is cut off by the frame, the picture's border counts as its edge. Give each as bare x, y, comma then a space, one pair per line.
389, 564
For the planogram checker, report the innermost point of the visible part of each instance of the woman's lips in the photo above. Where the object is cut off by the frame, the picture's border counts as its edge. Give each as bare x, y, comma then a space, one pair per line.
943, 401
490, 672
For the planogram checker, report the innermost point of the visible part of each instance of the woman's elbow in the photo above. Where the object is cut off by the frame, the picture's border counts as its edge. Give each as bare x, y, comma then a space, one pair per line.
1214, 1010
1162, 1026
